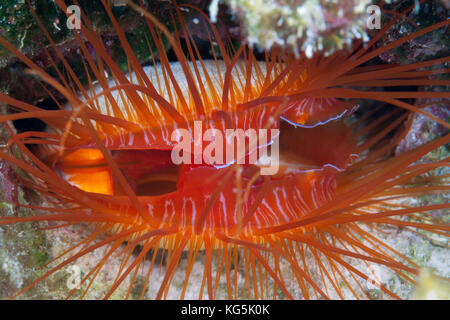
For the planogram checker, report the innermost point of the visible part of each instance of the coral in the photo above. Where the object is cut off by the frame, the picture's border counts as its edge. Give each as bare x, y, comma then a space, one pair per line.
431, 45
303, 25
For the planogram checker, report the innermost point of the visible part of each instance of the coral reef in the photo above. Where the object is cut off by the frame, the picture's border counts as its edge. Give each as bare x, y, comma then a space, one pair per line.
305, 26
